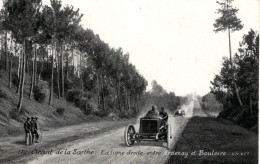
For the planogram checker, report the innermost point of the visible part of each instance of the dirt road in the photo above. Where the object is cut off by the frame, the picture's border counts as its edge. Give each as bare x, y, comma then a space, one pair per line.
110, 147
13, 149
103, 142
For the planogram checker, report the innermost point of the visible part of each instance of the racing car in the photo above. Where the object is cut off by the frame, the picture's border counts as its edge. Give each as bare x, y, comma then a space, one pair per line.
151, 129
179, 112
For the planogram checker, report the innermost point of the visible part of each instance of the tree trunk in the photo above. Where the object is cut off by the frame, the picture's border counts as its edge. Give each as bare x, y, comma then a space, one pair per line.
232, 70
35, 66
137, 108
221, 95
10, 72
5, 50
62, 76
19, 106
125, 99
10, 67
98, 90
119, 100
80, 72
129, 101
52, 70
1, 47
33, 74
48, 57
251, 108
115, 93
58, 73
67, 64
40, 72
73, 66
19, 64
103, 96
26, 63
21, 69
86, 105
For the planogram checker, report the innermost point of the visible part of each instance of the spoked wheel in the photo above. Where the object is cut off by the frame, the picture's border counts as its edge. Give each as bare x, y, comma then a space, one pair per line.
129, 135
168, 136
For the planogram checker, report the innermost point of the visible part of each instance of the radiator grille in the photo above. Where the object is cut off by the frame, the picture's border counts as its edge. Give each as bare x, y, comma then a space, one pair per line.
149, 126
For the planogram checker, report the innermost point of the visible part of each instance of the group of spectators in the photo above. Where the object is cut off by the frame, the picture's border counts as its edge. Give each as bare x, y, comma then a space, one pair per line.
31, 130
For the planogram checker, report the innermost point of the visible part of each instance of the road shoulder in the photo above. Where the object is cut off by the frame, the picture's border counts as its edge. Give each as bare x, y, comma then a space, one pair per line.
208, 138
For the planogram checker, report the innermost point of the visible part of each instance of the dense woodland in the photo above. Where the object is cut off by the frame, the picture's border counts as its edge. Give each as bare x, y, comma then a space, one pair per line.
62, 58
246, 70
46, 48
237, 84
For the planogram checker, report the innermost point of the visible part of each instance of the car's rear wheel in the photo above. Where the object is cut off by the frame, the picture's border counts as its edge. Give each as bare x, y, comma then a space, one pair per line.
168, 136
129, 135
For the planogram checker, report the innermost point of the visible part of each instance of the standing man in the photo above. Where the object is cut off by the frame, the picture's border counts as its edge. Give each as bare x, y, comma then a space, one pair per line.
27, 129
32, 129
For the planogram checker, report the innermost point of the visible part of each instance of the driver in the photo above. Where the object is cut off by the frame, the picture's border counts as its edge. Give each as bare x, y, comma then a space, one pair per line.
164, 115
152, 113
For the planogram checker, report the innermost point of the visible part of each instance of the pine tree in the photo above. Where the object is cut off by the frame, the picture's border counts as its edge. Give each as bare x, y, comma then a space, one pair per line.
22, 22
228, 21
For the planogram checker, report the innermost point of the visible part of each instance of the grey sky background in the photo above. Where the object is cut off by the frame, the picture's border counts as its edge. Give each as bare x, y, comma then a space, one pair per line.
170, 41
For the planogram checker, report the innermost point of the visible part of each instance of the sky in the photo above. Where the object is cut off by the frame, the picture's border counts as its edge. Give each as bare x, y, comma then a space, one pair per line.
170, 41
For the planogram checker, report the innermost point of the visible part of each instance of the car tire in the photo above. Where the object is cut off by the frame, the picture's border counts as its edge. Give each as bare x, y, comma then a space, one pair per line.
129, 135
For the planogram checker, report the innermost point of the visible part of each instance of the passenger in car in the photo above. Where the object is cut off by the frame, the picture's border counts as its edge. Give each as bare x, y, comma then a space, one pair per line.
164, 115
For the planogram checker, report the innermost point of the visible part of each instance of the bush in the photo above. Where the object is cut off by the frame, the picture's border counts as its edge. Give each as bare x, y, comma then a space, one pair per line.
123, 114
74, 96
2, 64
41, 91
60, 111
15, 79
3, 94
100, 113
68, 84
86, 107
71, 82
46, 72
13, 115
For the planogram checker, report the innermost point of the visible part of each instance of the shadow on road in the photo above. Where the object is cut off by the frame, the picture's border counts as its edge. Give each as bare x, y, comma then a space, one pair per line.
20, 142
145, 144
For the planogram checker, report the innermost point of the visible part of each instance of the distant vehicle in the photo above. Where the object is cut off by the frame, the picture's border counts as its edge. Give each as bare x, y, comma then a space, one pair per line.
152, 128
179, 112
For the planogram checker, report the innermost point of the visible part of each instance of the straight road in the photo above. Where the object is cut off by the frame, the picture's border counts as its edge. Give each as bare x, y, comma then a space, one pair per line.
110, 147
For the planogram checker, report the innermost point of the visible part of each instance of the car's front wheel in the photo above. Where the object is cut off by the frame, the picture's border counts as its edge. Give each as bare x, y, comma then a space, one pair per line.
129, 135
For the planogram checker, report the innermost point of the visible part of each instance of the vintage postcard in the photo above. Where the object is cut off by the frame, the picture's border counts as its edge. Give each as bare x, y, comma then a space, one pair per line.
129, 81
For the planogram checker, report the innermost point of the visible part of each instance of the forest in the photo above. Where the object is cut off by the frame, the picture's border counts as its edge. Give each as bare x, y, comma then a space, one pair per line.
47, 49
62, 58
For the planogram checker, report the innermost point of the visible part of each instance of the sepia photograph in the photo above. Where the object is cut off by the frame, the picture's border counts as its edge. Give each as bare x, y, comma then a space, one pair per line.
129, 81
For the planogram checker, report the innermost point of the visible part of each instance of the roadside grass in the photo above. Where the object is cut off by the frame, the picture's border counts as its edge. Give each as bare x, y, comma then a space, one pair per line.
208, 134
